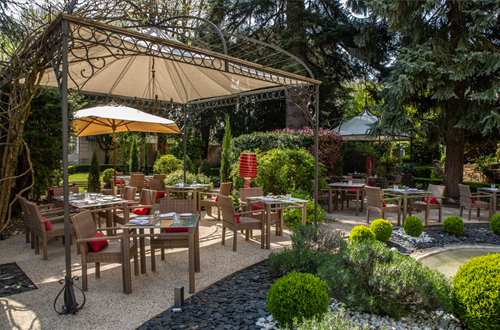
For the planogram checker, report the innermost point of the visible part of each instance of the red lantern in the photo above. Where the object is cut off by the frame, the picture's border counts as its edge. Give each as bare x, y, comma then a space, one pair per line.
248, 168
370, 165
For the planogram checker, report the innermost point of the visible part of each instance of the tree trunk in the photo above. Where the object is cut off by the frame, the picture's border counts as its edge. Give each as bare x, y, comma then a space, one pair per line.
296, 108
454, 166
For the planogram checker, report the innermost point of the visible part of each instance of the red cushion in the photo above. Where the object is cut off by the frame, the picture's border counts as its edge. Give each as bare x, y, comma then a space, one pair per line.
48, 225
473, 200
432, 201
384, 204
176, 230
352, 190
141, 210
98, 245
238, 218
257, 207
118, 182
160, 194
216, 198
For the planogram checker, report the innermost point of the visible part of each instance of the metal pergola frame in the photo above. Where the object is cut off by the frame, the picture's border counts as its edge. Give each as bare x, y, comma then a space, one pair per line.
62, 36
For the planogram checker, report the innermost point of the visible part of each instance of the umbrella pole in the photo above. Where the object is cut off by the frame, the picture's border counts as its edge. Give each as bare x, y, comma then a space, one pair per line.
184, 142
113, 184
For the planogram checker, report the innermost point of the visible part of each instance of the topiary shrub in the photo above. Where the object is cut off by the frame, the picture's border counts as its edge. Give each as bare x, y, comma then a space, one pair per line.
495, 224
475, 294
167, 164
453, 225
93, 181
205, 168
382, 229
107, 175
361, 233
371, 278
297, 295
413, 226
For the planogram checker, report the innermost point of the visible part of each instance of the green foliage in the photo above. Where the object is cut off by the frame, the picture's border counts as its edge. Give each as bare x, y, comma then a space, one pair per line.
424, 172
495, 224
280, 171
443, 159
134, 155
354, 156
311, 247
413, 226
194, 149
382, 229
225, 153
453, 225
371, 278
85, 168
388, 166
265, 141
205, 168
330, 321
107, 175
294, 216
475, 294
94, 183
167, 164
361, 233
297, 295
235, 199
145, 168
405, 159
409, 169
178, 176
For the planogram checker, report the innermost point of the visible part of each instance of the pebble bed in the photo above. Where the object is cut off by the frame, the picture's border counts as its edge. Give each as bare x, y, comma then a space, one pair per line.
239, 301
13, 280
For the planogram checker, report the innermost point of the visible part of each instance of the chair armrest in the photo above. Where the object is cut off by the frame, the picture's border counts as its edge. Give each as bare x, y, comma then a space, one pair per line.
51, 212
250, 212
481, 195
53, 219
109, 228
97, 239
392, 198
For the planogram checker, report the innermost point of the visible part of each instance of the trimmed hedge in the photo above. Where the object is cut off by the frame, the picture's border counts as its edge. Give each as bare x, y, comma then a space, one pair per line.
453, 225
85, 168
473, 185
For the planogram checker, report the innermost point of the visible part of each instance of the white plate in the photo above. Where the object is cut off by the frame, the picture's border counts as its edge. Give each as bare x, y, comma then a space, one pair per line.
186, 214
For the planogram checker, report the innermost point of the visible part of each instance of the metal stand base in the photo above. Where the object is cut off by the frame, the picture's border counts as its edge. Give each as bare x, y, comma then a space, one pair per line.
70, 305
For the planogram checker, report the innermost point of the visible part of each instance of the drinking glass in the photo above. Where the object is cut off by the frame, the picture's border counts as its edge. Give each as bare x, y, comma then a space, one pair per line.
493, 186
350, 182
177, 219
288, 197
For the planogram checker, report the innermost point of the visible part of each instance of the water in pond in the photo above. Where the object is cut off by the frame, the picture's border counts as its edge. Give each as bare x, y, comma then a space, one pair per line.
448, 262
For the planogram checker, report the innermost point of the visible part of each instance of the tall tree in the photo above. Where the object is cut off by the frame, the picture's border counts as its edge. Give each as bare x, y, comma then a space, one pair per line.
226, 146
447, 69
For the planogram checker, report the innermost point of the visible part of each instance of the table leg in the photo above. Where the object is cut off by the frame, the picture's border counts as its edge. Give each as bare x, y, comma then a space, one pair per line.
494, 206
357, 201
197, 267
405, 204
191, 259
427, 210
304, 213
268, 226
336, 200
142, 246
330, 200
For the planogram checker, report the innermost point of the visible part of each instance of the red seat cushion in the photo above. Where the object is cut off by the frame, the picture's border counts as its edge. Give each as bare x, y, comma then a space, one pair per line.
258, 206
176, 230
432, 201
118, 182
352, 190
48, 225
473, 200
141, 210
238, 218
216, 198
98, 245
160, 194
384, 204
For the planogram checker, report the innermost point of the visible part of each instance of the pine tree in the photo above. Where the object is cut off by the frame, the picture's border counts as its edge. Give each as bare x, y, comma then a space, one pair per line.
134, 155
94, 183
145, 169
226, 145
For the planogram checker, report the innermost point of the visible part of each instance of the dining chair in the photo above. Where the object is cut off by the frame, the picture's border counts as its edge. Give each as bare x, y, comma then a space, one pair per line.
237, 221
436, 195
160, 177
375, 201
94, 248
472, 201
172, 237
211, 198
131, 209
137, 180
59, 191
155, 184
323, 194
350, 194
45, 228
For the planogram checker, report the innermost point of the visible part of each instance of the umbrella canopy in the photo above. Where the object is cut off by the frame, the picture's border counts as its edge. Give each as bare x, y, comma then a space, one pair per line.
109, 119
359, 128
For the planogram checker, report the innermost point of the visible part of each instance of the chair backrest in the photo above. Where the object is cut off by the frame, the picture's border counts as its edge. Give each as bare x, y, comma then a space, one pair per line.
155, 184
84, 225
465, 197
437, 192
225, 188
58, 191
26, 212
227, 208
160, 177
35, 216
129, 193
373, 196
148, 197
406, 180
177, 206
358, 180
397, 179
250, 192
137, 180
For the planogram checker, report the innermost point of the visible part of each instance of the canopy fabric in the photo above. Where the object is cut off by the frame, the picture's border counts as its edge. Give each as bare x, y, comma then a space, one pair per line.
123, 64
108, 119
359, 128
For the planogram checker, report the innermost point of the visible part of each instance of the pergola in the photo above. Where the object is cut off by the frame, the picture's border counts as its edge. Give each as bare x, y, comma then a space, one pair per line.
111, 63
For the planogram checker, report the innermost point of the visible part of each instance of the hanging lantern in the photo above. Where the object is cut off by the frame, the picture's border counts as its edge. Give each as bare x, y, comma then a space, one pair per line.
248, 168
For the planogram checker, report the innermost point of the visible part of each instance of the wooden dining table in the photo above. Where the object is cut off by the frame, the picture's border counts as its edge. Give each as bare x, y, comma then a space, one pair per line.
336, 189
408, 194
183, 189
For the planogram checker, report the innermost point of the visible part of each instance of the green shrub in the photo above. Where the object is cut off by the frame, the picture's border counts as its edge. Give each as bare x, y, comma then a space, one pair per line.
294, 216
413, 226
495, 224
265, 141
311, 247
236, 201
361, 233
453, 225
424, 172
71, 169
205, 168
371, 278
178, 176
405, 159
330, 321
107, 175
225, 169
93, 181
297, 295
476, 293
382, 229
167, 164
443, 159
134, 155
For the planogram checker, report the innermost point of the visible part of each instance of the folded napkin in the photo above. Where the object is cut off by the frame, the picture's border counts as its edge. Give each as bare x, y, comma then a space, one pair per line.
139, 221
267, 199
167, 215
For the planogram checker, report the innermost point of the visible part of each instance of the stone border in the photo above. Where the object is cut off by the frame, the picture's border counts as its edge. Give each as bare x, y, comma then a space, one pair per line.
418, 255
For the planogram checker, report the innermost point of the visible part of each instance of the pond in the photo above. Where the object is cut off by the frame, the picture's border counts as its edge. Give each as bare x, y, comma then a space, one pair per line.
448, 261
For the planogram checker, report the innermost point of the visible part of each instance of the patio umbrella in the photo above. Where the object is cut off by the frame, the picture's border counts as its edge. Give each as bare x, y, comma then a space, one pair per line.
114, 118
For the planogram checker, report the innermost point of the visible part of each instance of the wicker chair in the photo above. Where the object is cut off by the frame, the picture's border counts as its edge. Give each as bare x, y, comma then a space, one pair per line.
375, 202
113, 253
137, 180
177, 238
39, 230
147, 200
58, 191
471, 201
211, 199
348, 195
437, 193
323, 194
237, 221
155, 184
160, 177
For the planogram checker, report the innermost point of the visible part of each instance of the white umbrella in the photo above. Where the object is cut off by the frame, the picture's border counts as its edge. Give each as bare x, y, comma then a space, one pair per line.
114, 118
